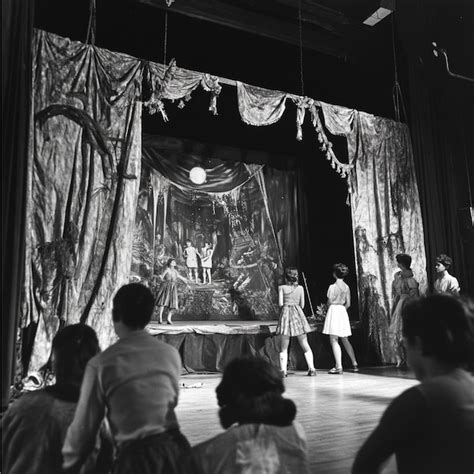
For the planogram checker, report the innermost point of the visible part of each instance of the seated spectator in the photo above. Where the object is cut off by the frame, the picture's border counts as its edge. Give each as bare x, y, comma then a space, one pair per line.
134, 383
34, 427
265, 438
430, 427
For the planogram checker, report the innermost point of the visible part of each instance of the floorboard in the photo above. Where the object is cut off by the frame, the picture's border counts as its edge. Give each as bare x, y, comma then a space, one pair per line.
337, 411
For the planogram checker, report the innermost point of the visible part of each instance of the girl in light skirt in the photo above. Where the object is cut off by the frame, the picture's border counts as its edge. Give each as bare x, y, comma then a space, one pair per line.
337, 323
292, 320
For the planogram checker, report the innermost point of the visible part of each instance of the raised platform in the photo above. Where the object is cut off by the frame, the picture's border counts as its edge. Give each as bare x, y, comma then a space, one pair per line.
207, 346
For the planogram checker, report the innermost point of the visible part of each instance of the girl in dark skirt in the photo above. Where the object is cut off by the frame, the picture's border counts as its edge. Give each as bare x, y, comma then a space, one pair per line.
168, 292
292, 320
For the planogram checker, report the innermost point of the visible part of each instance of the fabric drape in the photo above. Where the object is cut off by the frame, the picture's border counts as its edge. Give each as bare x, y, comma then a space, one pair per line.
17, 33
83, 185
386, 214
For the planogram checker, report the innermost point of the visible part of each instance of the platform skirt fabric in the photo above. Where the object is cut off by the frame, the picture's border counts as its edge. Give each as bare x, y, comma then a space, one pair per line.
167, 295
337, 321
292, 321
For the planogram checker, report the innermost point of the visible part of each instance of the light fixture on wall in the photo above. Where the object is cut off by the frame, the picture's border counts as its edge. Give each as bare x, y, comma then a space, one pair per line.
197, 175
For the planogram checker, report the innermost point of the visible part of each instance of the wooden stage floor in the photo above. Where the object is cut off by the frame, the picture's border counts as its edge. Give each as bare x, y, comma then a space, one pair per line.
337, 412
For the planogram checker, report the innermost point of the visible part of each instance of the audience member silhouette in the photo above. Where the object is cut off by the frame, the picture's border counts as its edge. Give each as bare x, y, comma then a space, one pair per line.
430, 427
34, 427
261, 435
134, 383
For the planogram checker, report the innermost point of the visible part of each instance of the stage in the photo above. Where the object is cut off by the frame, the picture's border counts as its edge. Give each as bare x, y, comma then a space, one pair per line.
206, 346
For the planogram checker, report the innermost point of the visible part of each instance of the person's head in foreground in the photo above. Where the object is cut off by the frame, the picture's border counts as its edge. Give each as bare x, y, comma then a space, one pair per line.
438, 331
132, 308
251, 392
404, 261
430, 426
72, 348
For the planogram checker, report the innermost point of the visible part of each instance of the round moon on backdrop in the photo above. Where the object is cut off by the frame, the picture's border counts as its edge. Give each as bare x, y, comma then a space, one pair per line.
197, 175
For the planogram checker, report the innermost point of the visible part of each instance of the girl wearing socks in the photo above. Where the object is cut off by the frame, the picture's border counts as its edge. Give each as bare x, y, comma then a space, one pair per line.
337, 323
292, 320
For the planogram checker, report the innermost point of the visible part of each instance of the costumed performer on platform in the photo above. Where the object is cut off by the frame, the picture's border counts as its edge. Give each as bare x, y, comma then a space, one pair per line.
206, 262
430, 427
168, 292
190, 253
404, 286
293, 321
337, 323
445, 282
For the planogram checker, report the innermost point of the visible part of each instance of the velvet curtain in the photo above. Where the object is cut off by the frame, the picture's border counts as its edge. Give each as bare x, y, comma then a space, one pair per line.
386, 214
84, 169
17, 33
441, 125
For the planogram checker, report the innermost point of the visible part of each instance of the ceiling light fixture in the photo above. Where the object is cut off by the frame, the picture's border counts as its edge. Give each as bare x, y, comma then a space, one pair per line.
386, 7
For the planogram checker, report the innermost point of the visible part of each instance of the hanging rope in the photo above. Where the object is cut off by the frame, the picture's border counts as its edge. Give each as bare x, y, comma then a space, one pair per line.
300, 28
397, 96
165, 41
90, 37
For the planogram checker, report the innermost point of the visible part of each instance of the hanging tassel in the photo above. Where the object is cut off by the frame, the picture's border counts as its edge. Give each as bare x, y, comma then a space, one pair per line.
181, 104
300, 114
161, 108
213, 104
299, 132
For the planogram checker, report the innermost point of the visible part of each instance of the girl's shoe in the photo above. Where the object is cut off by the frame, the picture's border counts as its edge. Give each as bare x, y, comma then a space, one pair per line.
335, 371
283, 373
355, 368
169, 322
312, 372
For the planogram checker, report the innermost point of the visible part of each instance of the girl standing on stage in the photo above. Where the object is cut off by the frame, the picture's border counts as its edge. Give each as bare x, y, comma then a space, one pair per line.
292, 320
337, 323
206, 262
190, 253
168, 292
404, 286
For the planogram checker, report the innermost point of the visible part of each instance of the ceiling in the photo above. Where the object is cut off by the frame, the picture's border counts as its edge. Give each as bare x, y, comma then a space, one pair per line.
333, 27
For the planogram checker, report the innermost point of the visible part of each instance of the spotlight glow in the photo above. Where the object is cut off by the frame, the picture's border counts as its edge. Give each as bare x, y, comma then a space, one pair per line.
197, 175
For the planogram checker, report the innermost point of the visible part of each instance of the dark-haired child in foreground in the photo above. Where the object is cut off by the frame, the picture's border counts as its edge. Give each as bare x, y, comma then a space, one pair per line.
261, 435
430, 427
135, 384
337, 323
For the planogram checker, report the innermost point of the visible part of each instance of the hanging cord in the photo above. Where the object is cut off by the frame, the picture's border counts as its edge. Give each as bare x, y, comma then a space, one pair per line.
90, 38
397, 95
300, 28
165, 40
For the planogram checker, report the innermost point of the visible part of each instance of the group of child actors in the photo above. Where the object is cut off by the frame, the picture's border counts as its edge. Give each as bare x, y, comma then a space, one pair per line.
167, 296
292, 321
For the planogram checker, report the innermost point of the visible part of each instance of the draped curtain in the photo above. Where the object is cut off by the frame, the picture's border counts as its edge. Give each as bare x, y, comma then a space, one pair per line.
386, 214
84, 169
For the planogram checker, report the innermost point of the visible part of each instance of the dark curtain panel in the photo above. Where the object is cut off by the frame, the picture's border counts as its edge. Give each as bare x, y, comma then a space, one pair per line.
17, 31
441, 124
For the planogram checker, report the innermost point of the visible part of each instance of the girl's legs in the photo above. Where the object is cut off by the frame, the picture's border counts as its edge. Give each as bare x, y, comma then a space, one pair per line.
170, 313
160, 314
204, 273
336, 350
209, 279
308, 353
350, 350
284, 343
195, 271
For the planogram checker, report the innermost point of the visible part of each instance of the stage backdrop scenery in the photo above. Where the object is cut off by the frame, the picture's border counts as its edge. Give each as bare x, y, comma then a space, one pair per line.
247, 212
90, 204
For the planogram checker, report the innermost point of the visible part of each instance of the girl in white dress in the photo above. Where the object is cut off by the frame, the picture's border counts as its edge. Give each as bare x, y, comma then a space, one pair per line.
292, 320
337, 323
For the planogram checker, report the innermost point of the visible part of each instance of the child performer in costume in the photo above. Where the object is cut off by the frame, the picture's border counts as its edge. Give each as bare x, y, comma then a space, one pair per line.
337, 323
190, 253
403, 287
168, 292
206, 262
292, 320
